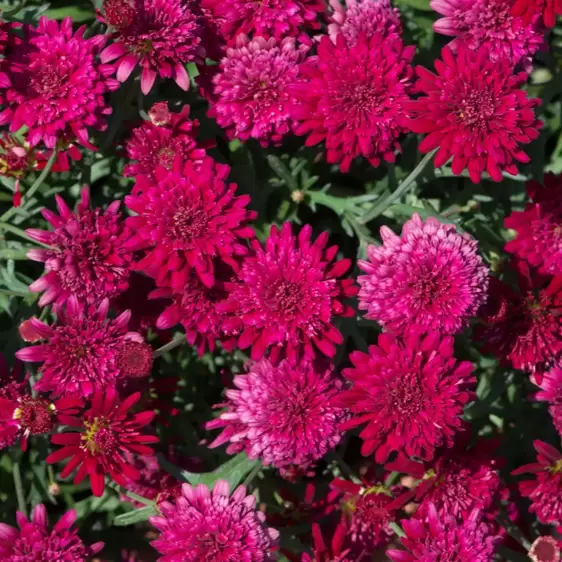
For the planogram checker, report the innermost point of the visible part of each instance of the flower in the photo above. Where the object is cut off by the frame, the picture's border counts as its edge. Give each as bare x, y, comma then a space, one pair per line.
430, 276
57, 87
489, 23
443, 538
524, 328
13, 382
209, 525
363, 16
538, 234
352, 97
267, 18
159, 139
545, 549
87, 258
287, 295
475, 112
410, 392
545, 491
551, 392
284, 415
82, 353
134, 359
34, 542
250, 95
107, 431
25, 415
332, 552
528, 9
160, 35
187, 219
196, 308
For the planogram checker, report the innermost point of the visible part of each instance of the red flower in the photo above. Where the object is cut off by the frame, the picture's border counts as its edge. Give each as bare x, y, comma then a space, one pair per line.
88, 258
545, 492
287, 296
410, 392
551, 392
331, 552
353, 97
474, 111
106, 432
548, 9
189, 217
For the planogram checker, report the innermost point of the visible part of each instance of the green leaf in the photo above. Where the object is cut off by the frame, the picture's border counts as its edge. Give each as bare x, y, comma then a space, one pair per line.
79, 14
135, 516
418, 4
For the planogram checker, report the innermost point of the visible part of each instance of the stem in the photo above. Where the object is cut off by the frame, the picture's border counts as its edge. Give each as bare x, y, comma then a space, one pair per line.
380, 207
169, 346
36, 185
252, 474
513, 530
19, 488
19, 232
132, 495
13, 293
397, 529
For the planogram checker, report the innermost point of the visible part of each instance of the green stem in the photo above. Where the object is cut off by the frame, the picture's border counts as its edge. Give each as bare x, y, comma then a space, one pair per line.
13, 293
132, 495
397, 529
19, 488
253, 474
19, 232
513, 530
380, 207
169, 346
36, 185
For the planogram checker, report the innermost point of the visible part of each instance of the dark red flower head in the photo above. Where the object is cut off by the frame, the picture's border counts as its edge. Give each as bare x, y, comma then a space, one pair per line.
287, 295
528, 9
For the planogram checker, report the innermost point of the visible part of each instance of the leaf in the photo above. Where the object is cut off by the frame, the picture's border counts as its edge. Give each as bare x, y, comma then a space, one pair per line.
422, 5
79, 14
135, 516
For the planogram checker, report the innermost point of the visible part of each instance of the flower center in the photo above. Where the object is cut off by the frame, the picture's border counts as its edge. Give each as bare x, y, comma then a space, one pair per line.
160, 114
556, 467
284, 296
135, 359
189, 223
215, 547
119, 13
98, 437
428, 288
51, 79
476, 108
406, 397
166, 157
35, 415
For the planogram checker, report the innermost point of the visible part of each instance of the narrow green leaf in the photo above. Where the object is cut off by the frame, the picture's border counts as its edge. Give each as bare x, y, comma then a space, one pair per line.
135, 516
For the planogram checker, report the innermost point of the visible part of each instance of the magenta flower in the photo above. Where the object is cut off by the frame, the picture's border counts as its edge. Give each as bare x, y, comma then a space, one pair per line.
545, 549
363, 16
528, 10
545, 491
328, 551
82, 353
88, 258
410, 392
210, 525
287, 296
185, 220
107, 431
284, 415
474, 111
551, 392
267, 18
352, 97
537, 228
443, 538
430, 276
524, 328
162, 36
196, 308
250, 97
490, 24
158, 140
34, 541
57, 86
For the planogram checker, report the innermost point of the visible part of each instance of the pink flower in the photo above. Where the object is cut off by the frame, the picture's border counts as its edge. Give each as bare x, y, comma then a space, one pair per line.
88, 258
489, 23
529, 9
158, 140
430, 276
410, 392
545, 491
551, 392
82, 353
13, 382
538, 234
363, 16
284, 415
185, 220
210, 525
524, 328
353, 97
267, 18
107, 431
33, 541
474, 111
443, 538
160, 35
331, 552
545, 549
56, 85
287, 296
196, 307
250, 95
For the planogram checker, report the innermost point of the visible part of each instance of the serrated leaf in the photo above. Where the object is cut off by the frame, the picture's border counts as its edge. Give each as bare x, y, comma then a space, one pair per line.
136, 516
